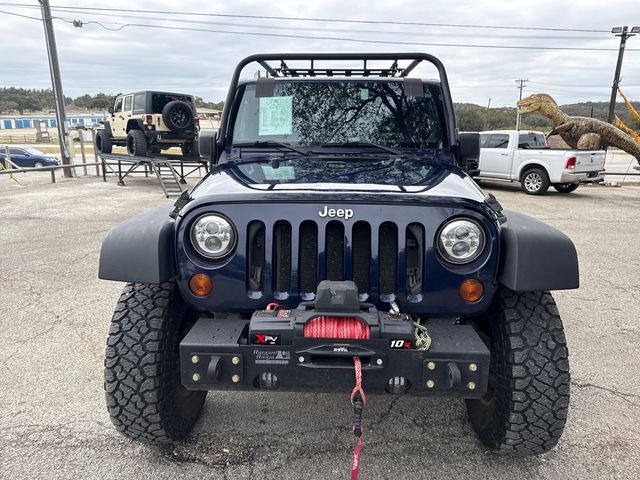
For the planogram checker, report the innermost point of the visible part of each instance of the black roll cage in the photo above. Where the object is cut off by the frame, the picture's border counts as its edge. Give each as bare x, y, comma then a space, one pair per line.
281, 69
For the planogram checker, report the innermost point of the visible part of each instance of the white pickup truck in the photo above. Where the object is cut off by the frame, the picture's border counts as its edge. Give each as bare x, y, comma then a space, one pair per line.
525, 157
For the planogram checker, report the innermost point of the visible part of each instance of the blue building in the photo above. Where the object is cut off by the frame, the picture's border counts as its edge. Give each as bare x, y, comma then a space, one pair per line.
76, 119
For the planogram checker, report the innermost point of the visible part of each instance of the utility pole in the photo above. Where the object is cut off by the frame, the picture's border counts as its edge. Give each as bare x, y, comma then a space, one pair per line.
486, 115
521, 84
623, 33
56, 82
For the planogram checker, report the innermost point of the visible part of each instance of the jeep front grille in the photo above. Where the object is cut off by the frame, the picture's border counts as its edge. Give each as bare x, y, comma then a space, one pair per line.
298, 257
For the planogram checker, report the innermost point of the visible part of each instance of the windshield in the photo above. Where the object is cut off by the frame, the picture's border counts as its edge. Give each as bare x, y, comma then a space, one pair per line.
32, 151
326, 113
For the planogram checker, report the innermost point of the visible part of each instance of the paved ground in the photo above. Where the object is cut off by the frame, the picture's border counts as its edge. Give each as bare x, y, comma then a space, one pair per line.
54, 317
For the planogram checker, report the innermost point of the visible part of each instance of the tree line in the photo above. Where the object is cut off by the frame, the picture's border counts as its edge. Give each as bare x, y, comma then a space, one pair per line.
475, 118
469, 117
22, 100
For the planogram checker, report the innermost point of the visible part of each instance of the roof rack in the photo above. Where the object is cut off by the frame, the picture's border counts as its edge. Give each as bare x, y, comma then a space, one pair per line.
276, 66
394, 70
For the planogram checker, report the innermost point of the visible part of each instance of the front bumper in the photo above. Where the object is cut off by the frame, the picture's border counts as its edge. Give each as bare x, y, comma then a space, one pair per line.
595, 176
216, 355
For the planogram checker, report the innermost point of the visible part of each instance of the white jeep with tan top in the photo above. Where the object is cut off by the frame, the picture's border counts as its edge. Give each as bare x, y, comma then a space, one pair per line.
149, 122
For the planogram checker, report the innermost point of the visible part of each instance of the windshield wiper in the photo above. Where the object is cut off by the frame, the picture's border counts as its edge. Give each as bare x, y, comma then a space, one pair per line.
365, 144
274, 162
272, 143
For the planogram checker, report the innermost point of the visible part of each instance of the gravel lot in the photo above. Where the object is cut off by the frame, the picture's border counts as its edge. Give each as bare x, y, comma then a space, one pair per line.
55, 313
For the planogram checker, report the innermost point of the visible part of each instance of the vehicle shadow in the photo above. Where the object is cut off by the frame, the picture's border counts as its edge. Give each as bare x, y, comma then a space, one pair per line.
493, 187
294, 435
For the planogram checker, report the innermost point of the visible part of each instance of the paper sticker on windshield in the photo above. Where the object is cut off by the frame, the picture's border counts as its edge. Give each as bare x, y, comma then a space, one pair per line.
364, 94
275, 116
281, 173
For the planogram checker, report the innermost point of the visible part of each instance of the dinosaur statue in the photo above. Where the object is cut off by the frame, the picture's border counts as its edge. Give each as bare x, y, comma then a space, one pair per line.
581, 133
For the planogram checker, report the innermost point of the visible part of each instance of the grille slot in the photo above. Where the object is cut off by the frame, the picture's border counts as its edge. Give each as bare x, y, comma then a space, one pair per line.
255, 256
415, 251
387, 258
334, 251
308, 257
361, 255
282, 256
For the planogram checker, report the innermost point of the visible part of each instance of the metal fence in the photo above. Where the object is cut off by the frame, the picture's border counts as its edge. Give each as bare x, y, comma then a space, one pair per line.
100, 165
26, 138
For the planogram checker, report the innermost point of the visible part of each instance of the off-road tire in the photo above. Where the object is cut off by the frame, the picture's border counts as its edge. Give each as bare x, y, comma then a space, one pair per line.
526, 407
103, 143
566, 187
145, 398
136, 143
178, 116
535, 181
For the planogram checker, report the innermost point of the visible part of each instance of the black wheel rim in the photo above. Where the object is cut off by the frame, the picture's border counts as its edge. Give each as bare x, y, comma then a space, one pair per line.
180, 117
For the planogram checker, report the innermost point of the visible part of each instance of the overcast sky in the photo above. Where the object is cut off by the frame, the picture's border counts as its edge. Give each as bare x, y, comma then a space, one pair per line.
201, 62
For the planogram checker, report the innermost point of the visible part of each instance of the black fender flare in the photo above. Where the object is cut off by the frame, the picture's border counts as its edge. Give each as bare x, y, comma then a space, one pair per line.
536, 256
140, 249
137, 122
107, 127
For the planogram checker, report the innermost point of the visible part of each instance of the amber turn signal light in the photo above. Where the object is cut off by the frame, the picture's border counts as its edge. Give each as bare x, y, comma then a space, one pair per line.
471, 290
201, 284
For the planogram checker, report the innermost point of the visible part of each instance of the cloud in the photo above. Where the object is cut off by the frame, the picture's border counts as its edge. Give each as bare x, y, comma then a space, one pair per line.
94, 59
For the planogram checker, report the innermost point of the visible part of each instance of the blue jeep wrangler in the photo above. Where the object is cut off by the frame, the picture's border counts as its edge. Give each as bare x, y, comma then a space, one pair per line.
339, 230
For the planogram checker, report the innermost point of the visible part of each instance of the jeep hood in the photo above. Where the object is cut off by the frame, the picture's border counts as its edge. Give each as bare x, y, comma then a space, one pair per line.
449, 187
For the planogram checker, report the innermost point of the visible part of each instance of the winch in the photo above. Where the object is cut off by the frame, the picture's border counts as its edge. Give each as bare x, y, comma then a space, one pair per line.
337, 313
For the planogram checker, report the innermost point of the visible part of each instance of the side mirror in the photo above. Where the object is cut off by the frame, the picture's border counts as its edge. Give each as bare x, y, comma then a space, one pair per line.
469, 152
111, 110
208, 145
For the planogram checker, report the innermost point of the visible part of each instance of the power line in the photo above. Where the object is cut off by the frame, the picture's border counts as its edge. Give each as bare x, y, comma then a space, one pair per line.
361, 40
315, 19
340, 39
577, 86
19, 15
339, 30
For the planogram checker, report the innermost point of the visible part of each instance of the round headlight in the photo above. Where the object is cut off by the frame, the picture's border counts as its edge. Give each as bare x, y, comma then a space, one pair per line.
213, 236
461, 241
